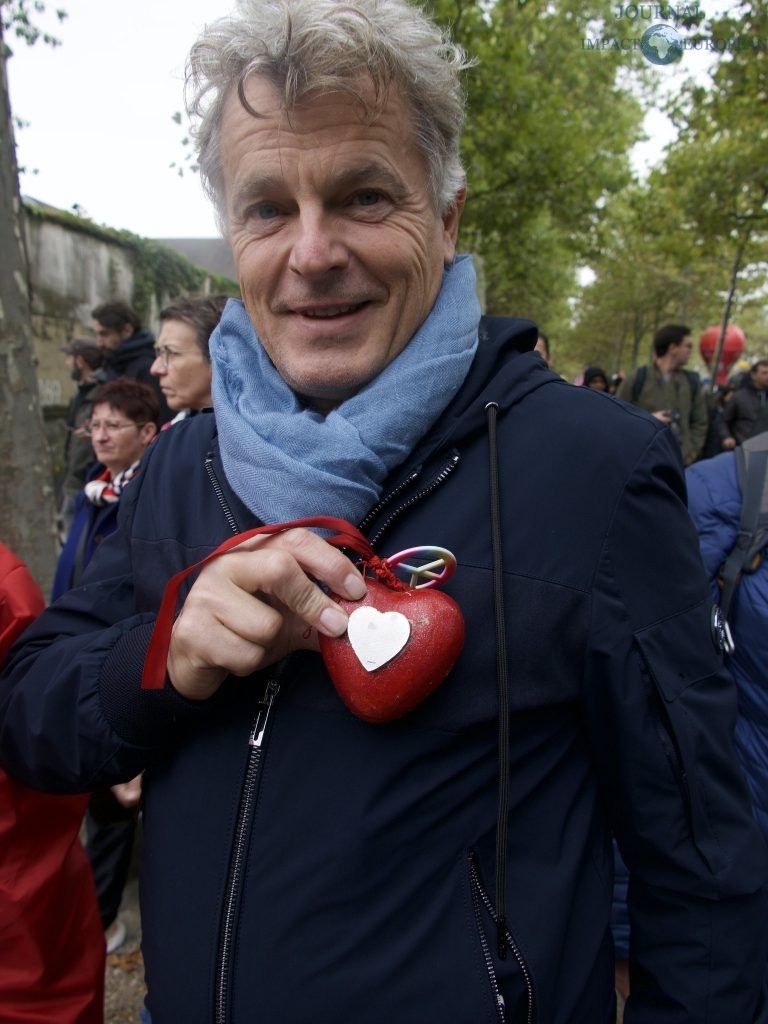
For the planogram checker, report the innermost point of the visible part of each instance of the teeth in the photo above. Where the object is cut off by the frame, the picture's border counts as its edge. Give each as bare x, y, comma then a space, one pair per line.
330, 311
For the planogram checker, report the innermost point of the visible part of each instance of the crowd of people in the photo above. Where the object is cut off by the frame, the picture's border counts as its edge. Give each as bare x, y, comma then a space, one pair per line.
705, 421
238, 497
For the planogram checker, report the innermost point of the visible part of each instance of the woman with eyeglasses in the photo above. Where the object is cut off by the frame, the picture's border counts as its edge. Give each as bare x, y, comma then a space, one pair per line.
125, 418
182, 361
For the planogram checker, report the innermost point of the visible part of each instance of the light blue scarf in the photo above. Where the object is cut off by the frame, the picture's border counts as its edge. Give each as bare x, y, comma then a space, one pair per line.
286, 461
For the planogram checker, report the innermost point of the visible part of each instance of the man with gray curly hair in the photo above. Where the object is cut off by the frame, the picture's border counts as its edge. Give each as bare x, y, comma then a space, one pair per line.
349, 819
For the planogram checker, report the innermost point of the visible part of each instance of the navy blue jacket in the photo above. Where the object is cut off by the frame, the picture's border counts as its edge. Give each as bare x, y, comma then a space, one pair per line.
90, 526
344, 872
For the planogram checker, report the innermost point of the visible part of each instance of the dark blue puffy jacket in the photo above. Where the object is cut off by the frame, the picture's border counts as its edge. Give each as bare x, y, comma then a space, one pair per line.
715, 504
337, 872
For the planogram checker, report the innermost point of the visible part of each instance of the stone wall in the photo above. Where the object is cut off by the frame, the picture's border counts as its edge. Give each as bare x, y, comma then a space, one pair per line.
75, 265
70, 273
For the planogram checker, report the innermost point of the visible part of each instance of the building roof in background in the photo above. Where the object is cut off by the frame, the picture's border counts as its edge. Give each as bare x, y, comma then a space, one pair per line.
212, 254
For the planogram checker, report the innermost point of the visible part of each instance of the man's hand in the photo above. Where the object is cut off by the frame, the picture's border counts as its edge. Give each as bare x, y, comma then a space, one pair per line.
665, 415
254, 605
729, 443
128, 794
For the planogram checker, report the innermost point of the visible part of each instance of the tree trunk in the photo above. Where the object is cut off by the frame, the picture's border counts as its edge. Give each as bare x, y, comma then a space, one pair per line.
27, 515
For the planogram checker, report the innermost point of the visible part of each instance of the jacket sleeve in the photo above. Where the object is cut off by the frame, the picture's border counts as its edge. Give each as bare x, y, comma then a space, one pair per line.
625, 388
72, 712
714, 501
730, 415
699, 421
660, 710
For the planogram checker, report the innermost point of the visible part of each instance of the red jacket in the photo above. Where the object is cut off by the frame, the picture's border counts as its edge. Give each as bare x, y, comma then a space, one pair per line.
51, 939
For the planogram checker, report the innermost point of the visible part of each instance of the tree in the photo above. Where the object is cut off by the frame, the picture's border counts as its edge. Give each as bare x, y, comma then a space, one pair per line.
26, 488
690, 244
721, 157
649, 270
546, 143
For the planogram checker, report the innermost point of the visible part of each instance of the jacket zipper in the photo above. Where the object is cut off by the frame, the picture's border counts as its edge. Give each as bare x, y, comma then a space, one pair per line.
479, 894
245, 809
220, 494
434, 483
411, 478
237, 857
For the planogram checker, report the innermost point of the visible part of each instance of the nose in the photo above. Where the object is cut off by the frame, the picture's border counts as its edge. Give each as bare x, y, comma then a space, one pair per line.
158, 368
317, 246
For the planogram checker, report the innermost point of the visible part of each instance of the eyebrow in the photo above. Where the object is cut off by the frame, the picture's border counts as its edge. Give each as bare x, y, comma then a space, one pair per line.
358, 175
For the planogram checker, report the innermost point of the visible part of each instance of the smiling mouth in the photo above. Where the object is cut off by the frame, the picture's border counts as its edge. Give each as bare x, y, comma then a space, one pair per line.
328, 312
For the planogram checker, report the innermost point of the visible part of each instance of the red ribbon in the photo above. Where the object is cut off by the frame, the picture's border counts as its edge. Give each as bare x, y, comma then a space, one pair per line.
348, 536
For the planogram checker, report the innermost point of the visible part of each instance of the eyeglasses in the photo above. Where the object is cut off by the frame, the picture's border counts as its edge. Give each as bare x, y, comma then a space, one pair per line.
111, 427
166, 355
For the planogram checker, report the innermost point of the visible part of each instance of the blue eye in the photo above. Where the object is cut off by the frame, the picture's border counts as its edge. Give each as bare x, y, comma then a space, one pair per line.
368, 198
265, 211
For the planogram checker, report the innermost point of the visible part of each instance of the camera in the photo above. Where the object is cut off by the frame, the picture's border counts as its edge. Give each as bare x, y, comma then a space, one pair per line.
674, 423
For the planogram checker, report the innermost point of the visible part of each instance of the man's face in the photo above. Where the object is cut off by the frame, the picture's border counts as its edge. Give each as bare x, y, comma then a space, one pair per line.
183, 370
760, 378
338, 248
118, 441
108, 337
681, 352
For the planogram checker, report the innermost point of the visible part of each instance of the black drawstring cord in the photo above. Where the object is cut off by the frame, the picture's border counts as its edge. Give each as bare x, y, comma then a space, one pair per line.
502, 814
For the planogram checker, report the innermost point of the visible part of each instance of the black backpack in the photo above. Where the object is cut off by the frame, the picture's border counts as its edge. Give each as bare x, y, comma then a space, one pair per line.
747, 553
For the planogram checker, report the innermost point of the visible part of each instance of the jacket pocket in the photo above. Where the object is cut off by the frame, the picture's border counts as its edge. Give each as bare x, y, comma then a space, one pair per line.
696, 708
485, 923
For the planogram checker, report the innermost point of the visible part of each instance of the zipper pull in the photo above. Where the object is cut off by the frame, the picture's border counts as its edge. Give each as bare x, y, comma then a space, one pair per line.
262, 717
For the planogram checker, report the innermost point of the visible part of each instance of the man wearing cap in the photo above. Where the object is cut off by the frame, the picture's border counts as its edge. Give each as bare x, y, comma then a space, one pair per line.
84, 359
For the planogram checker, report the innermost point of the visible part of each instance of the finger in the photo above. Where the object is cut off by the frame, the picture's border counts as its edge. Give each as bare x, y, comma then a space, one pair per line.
275, 573
223, 626
197, 670
317, 557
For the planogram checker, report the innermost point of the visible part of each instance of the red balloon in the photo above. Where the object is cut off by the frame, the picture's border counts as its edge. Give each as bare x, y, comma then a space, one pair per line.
733, 346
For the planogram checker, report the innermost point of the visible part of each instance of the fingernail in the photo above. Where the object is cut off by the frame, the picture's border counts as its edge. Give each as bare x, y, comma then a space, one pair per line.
333, 621
355, 587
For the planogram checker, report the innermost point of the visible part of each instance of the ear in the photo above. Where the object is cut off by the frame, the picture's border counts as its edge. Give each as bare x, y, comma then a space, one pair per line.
451, 221
147, 432
126, 332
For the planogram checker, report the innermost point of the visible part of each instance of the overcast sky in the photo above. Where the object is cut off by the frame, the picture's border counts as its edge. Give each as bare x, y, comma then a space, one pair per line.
100, 108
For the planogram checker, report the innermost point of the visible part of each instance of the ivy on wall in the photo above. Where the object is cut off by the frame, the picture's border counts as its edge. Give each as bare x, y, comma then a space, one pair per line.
158, 272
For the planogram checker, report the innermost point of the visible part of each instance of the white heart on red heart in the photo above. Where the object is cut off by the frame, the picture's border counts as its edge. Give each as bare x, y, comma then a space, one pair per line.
376, 637
411, 673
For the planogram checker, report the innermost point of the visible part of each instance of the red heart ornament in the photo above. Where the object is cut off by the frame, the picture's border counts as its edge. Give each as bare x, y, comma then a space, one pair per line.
399, 646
